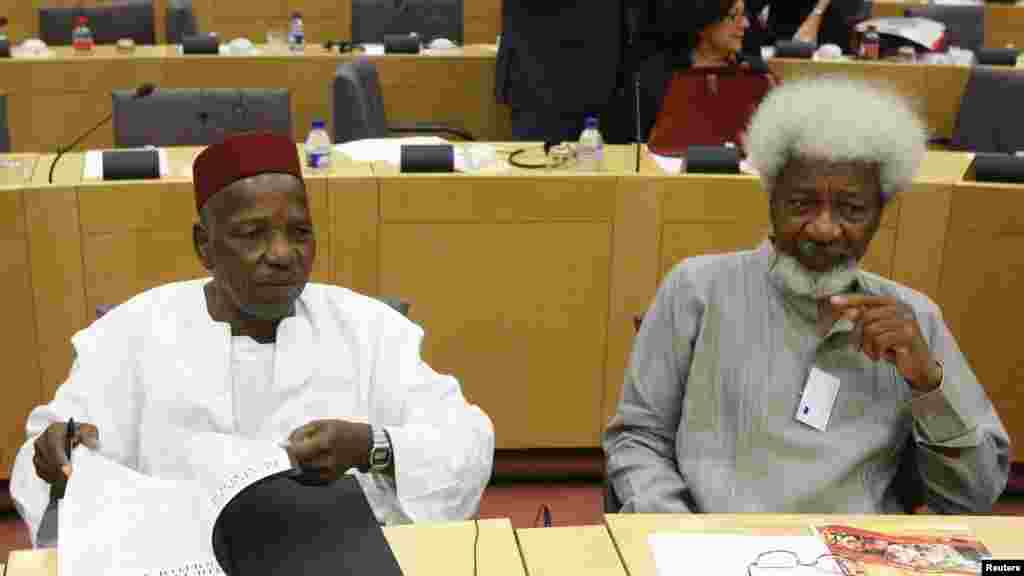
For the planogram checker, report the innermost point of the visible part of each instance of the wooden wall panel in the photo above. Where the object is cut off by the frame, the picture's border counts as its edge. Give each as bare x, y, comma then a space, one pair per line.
21, 390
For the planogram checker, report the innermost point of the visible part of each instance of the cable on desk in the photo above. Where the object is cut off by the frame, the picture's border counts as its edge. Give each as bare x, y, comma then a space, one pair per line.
476, 542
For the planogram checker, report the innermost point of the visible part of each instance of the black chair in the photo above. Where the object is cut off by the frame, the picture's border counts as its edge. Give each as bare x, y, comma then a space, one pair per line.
358, 106
989, 120
109, 23
373, 19
965, 25
198, 117
5, 137
181, 21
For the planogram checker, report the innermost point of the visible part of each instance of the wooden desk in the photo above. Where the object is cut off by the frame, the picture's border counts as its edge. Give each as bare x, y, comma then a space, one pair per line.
1004, 23
51, 100
569, 550
421, 550
1001, 534
323, 19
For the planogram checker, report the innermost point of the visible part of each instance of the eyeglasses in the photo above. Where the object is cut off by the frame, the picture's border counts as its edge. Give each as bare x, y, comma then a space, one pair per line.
767, 563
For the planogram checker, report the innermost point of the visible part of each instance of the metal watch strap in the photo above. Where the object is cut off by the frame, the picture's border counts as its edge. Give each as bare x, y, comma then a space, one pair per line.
380, 450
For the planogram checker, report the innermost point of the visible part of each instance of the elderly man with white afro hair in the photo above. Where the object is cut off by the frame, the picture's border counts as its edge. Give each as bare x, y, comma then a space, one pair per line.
787, 379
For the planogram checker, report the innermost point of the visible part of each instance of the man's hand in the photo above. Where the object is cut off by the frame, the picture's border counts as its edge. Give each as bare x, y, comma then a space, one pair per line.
326, 449
889, 331
808, 31
50, 458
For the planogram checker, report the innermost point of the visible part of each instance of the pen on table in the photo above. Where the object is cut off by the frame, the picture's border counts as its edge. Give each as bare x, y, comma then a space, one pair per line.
69, 438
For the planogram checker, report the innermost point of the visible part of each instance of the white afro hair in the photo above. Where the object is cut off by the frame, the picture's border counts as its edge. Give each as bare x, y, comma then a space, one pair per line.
837, 119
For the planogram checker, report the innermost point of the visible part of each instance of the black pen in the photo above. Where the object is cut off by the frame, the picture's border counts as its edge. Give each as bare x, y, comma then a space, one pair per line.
69, 438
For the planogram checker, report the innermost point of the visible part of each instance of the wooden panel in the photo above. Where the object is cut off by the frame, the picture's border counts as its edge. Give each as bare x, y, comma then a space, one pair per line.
880, 253
481, 21
431, 88
945, 85
569, 550
354, 209
319, 207
518, 313
115, 207
982, 272
426, 549
431, 198
920, 230
44, 122
18, 339
635, 274
1004, 24
58, 281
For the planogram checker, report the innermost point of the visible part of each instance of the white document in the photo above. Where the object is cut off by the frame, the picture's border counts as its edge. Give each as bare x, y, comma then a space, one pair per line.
94, 164
114, 520
679, 553
387, 149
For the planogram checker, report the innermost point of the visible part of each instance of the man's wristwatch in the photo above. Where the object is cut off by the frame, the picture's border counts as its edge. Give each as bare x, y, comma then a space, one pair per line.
380, 450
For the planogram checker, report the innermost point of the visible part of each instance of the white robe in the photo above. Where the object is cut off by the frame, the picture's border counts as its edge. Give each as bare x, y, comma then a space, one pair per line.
159, 361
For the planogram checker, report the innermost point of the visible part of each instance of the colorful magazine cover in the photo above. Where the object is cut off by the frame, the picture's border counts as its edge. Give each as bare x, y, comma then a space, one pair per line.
875, 553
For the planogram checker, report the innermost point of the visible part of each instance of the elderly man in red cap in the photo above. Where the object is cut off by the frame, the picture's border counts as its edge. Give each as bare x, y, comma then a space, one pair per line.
260, 352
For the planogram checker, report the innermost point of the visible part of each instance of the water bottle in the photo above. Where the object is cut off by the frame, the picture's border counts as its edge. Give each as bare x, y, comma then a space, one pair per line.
590, 149
81, 36
318, 146
296, 36
870, 45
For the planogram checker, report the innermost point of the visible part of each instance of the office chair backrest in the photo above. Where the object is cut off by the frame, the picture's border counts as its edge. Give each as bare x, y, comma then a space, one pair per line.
181, 20
109, 23
357, 102
989, 120
5, 136
198, 117
965, 25
372, 19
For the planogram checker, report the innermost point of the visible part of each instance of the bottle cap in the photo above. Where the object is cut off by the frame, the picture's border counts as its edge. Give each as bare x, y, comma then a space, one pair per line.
296, 14
590, 122
82, 20
318, 124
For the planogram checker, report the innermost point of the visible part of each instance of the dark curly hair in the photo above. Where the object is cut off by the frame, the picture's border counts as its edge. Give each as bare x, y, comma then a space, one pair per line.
678, 22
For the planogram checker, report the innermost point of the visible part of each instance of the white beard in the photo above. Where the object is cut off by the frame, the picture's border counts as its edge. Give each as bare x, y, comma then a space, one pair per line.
795, 279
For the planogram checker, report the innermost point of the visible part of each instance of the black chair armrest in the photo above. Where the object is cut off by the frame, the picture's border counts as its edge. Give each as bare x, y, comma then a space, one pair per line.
428, 128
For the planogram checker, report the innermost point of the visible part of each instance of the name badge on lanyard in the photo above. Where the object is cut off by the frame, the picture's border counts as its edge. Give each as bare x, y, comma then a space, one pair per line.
820, 391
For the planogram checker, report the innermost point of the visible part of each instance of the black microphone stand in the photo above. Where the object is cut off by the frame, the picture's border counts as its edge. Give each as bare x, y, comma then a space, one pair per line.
66, 149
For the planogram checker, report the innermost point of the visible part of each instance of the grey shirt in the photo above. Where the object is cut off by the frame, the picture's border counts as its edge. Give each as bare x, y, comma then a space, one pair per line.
706, 420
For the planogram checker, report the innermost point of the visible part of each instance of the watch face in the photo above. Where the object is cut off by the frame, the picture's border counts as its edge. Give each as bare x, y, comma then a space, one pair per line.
380, 457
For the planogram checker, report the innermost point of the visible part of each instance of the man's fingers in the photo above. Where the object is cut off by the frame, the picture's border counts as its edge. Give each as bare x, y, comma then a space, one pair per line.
303, 432
886, 313
89, 435
859, 301
305, 449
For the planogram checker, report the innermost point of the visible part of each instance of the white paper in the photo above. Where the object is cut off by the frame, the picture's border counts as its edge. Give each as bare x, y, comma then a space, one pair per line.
923, 31
373, 49
94, 164
383, 149
114, 520
678, 553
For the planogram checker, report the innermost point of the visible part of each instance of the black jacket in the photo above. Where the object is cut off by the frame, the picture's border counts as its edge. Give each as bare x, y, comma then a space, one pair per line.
560, 55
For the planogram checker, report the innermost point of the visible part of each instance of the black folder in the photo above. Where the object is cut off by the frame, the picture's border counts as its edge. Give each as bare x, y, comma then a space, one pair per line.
282, 526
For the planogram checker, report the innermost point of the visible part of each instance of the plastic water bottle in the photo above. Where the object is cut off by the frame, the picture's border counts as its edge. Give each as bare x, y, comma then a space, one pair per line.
81, 36
590, 149
318, 147
870, 45
296, 36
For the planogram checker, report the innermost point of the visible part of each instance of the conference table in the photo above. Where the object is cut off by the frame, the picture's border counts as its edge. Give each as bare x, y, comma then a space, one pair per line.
53, 99
617, 548
1000, 534
526, 282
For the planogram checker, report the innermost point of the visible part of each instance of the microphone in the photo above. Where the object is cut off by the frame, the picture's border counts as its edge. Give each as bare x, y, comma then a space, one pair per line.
140, 92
